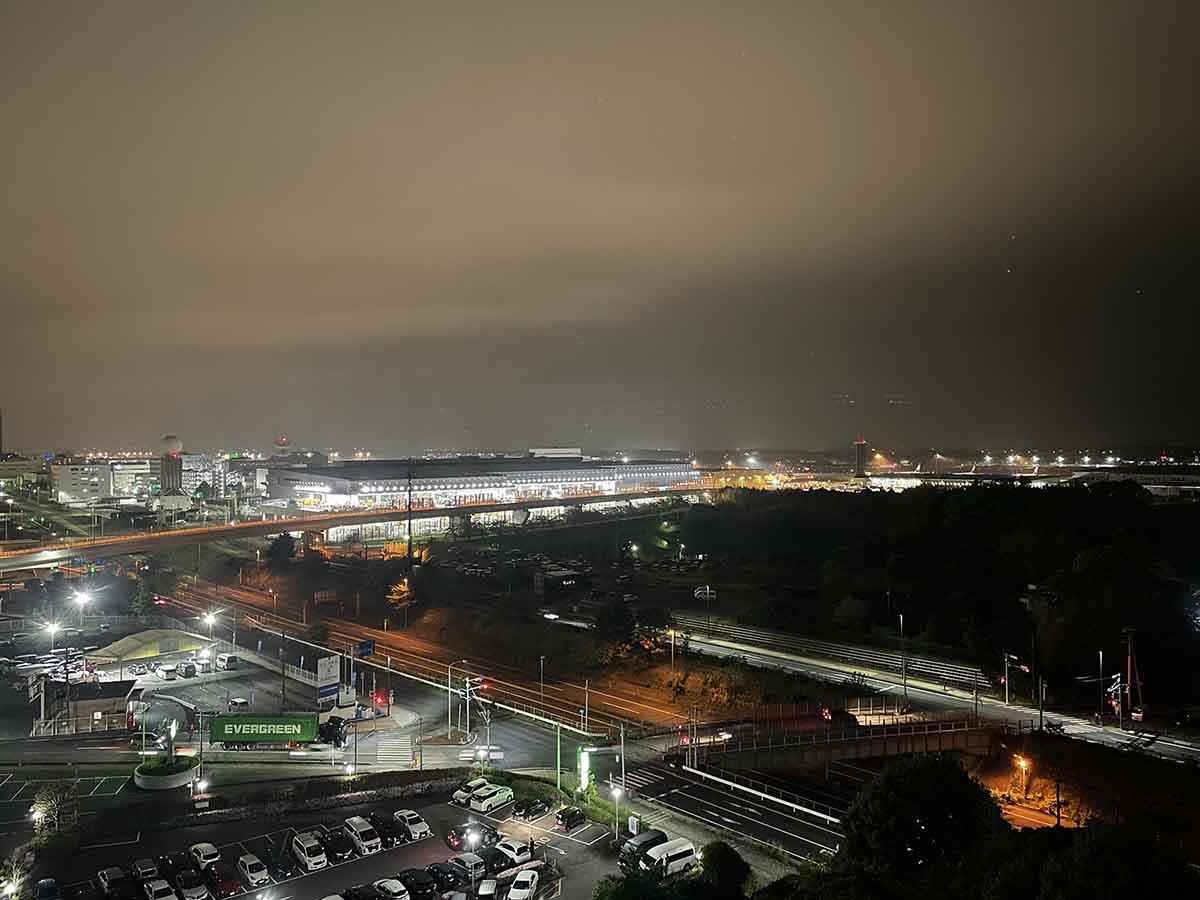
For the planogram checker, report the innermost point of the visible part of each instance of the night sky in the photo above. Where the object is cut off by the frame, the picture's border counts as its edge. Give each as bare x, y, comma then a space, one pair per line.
617, 224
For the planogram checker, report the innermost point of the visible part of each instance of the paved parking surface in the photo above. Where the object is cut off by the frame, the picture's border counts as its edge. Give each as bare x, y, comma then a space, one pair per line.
234, 839
17, 790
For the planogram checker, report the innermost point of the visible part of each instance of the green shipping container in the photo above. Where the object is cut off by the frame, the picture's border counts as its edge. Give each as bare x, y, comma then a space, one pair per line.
298, 727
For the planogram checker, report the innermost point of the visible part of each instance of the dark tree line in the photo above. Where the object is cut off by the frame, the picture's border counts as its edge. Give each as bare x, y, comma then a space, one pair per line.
959, 564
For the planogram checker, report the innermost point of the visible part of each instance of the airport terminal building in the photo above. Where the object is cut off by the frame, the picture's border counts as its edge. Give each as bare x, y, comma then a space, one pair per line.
465, 481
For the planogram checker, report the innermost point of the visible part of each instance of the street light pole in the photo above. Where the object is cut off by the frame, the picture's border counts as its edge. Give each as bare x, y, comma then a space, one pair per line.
542, 683
449, 695
616, 792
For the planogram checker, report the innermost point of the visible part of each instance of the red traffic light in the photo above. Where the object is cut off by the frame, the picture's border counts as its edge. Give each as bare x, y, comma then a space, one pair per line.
380, 698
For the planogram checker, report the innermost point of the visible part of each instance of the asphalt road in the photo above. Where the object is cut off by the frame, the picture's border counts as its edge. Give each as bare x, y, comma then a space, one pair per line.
579, 855
761, 821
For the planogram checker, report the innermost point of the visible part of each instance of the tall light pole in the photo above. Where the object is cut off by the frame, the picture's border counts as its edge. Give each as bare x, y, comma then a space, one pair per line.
210, 620
449, 695
616, 792
542, 683
52, 630
903, 658
9, 501
82, 600
473, 842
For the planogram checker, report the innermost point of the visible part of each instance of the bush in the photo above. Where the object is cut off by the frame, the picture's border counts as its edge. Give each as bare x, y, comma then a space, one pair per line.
162, 767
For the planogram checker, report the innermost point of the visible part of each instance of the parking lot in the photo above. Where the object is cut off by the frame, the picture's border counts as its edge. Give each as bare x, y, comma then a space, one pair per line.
577, 855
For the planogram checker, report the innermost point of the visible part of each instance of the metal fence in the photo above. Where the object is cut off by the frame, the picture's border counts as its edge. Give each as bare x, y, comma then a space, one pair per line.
66, 727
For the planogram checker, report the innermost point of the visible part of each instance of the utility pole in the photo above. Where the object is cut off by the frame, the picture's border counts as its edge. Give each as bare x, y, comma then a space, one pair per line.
622, 756
283, 670
1006, 678
586, 694
558, 755
1041, 702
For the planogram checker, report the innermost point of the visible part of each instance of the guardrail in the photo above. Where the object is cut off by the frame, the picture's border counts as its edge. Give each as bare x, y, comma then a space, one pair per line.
918, 666
795, 802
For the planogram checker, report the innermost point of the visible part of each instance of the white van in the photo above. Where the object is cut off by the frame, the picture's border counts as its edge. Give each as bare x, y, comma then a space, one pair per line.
363, 835
674, 856
166, 673
227, 661
308, 851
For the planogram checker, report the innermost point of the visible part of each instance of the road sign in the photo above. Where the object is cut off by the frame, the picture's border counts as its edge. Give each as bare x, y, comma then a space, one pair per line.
704, 593
365, 648
329, 674
297, 727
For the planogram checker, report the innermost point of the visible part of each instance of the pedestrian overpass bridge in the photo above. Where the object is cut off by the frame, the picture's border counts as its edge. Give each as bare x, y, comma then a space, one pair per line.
151, 541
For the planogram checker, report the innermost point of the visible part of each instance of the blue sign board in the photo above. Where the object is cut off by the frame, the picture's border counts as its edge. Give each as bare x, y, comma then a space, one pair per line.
365, 648
326, 691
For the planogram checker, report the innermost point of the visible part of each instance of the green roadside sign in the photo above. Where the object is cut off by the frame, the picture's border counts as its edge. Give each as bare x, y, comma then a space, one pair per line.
298, 727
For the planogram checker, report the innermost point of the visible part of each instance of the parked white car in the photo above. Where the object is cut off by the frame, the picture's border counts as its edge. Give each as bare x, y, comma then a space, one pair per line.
252, 870
516, 851
524, 886
492, 797
467, 790
417, 827
203, 855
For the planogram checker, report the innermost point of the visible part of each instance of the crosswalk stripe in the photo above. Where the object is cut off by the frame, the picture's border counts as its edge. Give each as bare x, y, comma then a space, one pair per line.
396, 752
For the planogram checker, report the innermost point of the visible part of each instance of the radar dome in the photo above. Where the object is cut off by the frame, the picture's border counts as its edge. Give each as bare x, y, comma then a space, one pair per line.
171, 444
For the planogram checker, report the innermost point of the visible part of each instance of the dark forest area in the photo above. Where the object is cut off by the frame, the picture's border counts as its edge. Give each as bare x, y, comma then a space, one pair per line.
1053, 576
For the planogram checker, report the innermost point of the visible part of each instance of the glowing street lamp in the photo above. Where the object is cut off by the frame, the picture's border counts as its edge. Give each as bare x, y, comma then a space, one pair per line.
472, 842
82, 599
210, 620
52, 629
1023, 765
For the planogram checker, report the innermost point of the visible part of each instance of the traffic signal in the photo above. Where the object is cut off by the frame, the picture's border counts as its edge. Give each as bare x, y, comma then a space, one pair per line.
380, 698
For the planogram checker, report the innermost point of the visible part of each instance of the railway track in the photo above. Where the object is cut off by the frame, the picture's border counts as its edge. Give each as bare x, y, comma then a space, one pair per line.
559, 700
925, 667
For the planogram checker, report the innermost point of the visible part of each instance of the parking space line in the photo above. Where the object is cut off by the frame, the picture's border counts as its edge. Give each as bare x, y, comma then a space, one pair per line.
6, 779
21, 789
95, 787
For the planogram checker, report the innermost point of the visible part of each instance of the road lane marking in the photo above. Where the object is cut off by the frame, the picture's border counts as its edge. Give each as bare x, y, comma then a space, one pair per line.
693, 815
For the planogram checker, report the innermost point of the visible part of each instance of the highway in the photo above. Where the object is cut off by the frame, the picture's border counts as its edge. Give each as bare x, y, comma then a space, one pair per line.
148, 542
664, 790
